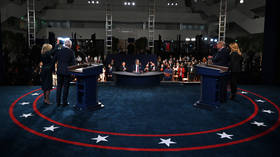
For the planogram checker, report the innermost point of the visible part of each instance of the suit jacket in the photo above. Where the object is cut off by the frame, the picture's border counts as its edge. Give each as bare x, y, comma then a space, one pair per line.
235, 62
65, 57
123, 68
221, 58
134, 68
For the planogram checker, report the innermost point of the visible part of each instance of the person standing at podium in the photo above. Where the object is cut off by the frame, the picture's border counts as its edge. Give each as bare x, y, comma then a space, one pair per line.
221, 58
234, 67
65, 57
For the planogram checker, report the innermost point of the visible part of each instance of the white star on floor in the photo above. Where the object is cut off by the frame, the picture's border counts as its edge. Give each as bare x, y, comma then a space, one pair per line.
224, 135
26, 115
34, 94
259, 100
258, 123
51, 128
267, 111
166, 142
24, 103
244, 92
100, 138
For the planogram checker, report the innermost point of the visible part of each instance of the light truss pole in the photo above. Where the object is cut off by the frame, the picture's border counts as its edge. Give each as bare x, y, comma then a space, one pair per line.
222, 20
31, 23
108, 28
151, 24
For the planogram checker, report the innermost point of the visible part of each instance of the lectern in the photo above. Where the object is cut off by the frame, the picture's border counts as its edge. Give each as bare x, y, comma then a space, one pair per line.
87, 75
213, 85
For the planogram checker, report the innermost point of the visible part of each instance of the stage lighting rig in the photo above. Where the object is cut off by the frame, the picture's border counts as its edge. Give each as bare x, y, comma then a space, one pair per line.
93, 2
172, 3
129, 3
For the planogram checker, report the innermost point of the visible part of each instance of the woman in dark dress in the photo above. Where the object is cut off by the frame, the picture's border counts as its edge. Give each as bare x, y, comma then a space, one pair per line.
235, 67
46, 71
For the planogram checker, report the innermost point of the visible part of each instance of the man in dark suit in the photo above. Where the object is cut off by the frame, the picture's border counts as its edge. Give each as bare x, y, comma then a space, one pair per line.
123, 67
222, 56
65, 57
137, 67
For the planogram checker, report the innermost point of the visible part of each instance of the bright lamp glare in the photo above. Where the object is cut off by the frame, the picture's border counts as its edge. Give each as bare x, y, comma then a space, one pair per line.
188, 39
192, 39
205, 38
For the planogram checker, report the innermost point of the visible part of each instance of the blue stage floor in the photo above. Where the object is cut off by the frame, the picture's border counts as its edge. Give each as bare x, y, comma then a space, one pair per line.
155, 121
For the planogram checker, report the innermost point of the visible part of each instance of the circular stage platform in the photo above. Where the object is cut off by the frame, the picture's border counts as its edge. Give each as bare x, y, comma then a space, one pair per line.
158, 118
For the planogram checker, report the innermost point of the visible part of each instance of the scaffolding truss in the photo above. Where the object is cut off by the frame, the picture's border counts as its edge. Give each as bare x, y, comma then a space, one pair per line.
151, 25
31, 23
222, 20
108, 28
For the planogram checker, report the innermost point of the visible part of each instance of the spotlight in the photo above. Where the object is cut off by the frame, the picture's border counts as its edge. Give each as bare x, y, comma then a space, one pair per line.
211, 39
168, 4
176, 4
205, 38
97, 2
133, 3
92, 2
89, 2
128, 3
192, 39
125, 3
215, 40
241, 1
188, 39
172, 4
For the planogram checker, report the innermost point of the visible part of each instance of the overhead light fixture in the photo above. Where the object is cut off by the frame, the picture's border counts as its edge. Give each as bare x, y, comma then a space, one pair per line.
211, 39
188, 39
129, 3
193, 39
205, 38
215, 40
241, 1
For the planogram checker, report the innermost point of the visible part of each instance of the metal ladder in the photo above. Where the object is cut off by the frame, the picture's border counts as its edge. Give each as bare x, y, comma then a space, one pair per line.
31, 23
151, 25
222, 20
109, 29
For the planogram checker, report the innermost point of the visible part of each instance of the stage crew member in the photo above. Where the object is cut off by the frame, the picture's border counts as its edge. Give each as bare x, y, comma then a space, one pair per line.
234, 67
65, 57
46, 71
137, 67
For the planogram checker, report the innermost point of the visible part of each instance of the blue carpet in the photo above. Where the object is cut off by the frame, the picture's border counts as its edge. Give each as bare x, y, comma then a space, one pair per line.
162, 110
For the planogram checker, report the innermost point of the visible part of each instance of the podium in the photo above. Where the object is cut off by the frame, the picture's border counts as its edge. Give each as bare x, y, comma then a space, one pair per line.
86, 85
213, 85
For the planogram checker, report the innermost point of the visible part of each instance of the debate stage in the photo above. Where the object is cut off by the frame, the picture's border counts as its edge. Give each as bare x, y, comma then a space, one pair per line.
123, 78
150, 121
